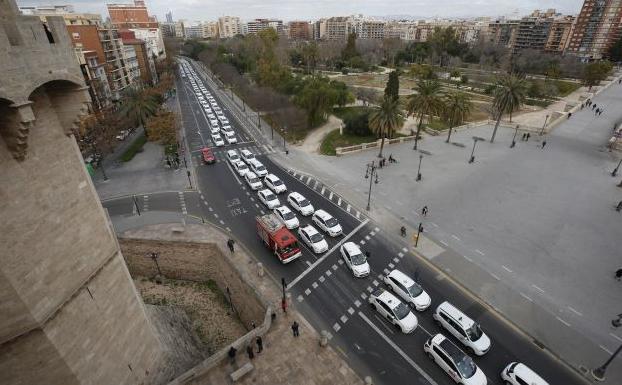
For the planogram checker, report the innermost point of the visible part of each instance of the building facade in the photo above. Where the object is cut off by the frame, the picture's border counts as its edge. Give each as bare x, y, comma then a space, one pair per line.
135, 17
69, 311
367, 29
338, 28
299, 30
229, 26
131, 64
596, 29
559, 34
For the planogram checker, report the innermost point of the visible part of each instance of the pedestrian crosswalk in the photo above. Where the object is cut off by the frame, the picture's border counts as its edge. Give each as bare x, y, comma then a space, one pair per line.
220, 153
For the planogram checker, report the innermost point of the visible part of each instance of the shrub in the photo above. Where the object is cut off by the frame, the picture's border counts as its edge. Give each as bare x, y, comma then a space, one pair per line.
357, 123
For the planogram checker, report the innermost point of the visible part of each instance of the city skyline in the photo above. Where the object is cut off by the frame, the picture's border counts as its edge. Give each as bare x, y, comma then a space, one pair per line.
302, 10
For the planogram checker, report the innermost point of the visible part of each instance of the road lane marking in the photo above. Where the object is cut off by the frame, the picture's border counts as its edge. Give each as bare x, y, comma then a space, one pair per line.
321, 279
526, 297
335, 267
315, 285
562, 321
348, 208
444, 243
307, 291
616, 337
400, 254
308, 263
575, 311
336, 327
343, 319
495, 277
506, 268
383, 325
328, 273
339, 201
330, 197
362, 242
364, 296
300, 298
433, 224
537, 288
375, 283
323, 189
357, 303
479, 252
367, 237
391, 266
398, 350
605, 349
467, 258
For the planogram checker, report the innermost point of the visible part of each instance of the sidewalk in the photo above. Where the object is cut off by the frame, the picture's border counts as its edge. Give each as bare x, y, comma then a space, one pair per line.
285, 359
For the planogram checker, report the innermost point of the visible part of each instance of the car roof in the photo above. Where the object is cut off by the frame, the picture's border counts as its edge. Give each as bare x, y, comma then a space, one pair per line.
255, 162
351, 247
239, 163
265, 192
246, 152
272, 177
232, 152
296, 195
309, 230
456, 314
250, 174
452, 350
530, 377
401, 278
322, 214
388, 298
283, 209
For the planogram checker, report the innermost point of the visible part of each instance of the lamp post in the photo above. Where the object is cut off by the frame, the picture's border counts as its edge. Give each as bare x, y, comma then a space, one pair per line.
419, 169
544, 125
419, 231
615, 170
475, 140
599, 373
189, 180
372, 170
514, 138
154, 257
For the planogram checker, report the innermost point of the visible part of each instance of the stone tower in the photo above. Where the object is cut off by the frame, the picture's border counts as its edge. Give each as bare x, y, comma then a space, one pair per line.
69, 312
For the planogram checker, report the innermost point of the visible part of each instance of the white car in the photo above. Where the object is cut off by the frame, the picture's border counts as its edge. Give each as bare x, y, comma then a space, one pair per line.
214, 130
232, 156
327, 223
253, 182
519, 374
226, 128
268, 198
300, 204
454, 361
275, 184
230, 137
467, 331
408, 290
286, 216
257, 167
213, 122
247, 155
223, 120
355, 259
394, 310
211, 116
313, 239
240, 167
218, 140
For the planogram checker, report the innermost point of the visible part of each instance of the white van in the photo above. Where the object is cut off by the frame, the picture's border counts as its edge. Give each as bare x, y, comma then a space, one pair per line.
467, 331
258, 168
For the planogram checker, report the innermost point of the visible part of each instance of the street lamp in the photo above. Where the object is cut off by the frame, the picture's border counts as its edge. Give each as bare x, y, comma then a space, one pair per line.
514, 138
372, 170
544, 125
154, 257
189, 180
419, 169
419, 231
615, 170
475, 140
599, 373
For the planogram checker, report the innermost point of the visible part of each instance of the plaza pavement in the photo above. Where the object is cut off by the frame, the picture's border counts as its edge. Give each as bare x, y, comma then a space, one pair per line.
531, 231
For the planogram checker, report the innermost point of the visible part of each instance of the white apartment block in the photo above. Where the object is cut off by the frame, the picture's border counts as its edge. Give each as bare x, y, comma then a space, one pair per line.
229, 26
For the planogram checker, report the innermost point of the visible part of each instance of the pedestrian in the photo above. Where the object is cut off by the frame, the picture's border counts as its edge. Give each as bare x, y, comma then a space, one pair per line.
284, 305
600, 112
619, 206
424, 211
582, 105
543, 143
528, 136
295, 329
593, 106
380, 163
253, 324
391, 160
596, 112
250, 352
259, 344
619, 81
619, 274
231, 243
524, 138
231, 355
569, 115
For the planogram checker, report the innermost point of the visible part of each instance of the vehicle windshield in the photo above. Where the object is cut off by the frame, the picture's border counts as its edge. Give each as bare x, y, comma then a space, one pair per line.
277, 182
234, 157
358, 259
242, 166
260, 168
253, 180
401, 311
270, 197
466, 367
288, 215
474, 332
332, 222
304, 203
289, 248
415, 290
317, 237
250, 156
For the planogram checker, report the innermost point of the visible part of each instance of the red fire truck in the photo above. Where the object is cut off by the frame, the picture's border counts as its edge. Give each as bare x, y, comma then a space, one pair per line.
277, 238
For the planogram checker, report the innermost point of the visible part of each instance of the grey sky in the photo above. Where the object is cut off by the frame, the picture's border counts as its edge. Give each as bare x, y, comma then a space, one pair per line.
313, 9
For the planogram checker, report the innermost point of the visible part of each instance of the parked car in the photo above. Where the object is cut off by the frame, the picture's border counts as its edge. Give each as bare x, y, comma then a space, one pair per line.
467, 331
454, 361
408, 290
394, 310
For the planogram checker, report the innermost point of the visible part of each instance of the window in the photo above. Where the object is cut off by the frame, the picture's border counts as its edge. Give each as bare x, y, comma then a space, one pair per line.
386, 308
75, 35
448, 361
521, 381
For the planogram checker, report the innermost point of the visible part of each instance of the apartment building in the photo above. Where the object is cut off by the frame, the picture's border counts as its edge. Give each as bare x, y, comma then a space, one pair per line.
532, 33
257, 25
338, 28
559, 34
144, 60
596, 29
135, 17
131, 64
503, 33
229, 26
300, 30
368, 29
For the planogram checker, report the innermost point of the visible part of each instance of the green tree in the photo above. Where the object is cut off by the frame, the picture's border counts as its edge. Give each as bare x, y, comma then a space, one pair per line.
316, 97
350, 51
161, 127
508, 96
457, 107
422, 71
393, 85
387, 118
595, 72
615, 51
444, 42
342, 95
425, 101
138, 105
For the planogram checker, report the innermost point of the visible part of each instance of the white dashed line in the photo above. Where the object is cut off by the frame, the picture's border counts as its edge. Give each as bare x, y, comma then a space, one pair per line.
330, 197
369, 289
315, 285
403, 248
222, 222
367, 237
479, 252
300, 298
605, 349
210, 209
256, 205
362, 242
375, 283
400, 254
562, 321
506, 268
357, 303
329, 273
495, 277
526, 297
336, 327
396, 260
444, 243
616, 337
391, 266
467, 258
372, 233
339, 201
308, 263
343, 319
537, 288
335, 267
323, 189
575, 311
307, 291
321, 279
364, 296
340, 261
348, 208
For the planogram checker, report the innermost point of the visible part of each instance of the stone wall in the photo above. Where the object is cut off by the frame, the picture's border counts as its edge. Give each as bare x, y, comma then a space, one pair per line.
194, 262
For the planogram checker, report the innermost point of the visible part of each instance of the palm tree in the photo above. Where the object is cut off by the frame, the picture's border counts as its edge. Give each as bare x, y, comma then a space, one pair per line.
138, 105
426, 101
508, 96
387, 118
457, 106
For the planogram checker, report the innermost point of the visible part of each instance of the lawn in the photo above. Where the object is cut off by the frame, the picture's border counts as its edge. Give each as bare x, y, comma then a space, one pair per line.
135, 148
333, 140
345, 113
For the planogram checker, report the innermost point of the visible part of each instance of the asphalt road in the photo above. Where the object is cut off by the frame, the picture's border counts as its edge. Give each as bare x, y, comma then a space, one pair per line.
323, 289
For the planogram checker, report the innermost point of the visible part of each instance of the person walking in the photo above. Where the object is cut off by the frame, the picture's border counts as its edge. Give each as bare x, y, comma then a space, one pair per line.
230, 244
424, 211
600, 112
250, 352
524, 138
543, 144
527, 137
259, 341
296, 329
569, 115
284, 305
593, 106
619, 274
231, 354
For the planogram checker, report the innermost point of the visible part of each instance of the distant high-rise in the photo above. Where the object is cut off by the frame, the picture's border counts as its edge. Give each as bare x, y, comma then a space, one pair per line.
597, 28
136, 18
229, 26
169, 17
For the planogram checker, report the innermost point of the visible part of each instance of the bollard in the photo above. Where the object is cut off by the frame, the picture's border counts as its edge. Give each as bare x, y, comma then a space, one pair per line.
323, 338
368, 381
289, 299
260, 271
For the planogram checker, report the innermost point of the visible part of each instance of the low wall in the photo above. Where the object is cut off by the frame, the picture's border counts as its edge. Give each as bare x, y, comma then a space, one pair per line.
194, 262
